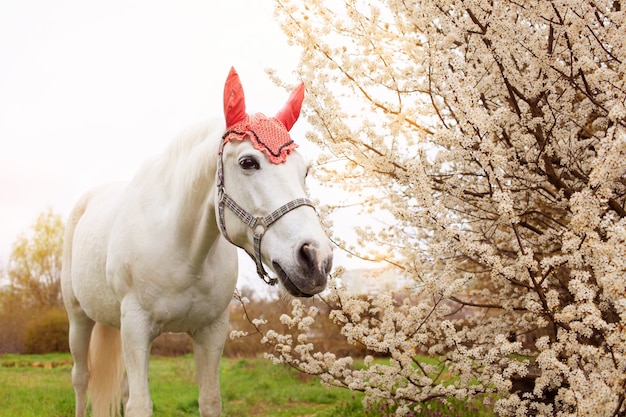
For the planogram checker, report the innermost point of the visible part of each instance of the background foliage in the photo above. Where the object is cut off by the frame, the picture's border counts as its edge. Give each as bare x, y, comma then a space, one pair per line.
31, 302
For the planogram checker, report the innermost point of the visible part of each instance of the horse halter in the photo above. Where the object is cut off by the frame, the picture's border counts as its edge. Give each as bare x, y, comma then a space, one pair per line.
259, 225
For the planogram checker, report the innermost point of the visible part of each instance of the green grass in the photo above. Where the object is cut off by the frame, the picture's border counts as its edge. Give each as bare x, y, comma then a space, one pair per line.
29, 390
40, 385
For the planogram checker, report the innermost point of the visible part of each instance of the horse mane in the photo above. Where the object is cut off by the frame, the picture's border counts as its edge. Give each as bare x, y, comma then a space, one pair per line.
189, 160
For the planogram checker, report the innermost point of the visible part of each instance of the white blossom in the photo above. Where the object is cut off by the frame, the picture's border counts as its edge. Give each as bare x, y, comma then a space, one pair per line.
493, 134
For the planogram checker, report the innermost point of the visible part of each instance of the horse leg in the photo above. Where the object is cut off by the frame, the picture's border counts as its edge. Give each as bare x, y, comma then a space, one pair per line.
136, 339
125, 392
208, 345
80, 334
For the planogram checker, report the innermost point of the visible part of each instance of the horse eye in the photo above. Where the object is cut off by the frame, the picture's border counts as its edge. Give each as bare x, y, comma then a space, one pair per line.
248, 163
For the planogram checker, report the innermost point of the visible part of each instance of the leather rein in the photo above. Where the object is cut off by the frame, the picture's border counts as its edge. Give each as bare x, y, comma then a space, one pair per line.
259, 225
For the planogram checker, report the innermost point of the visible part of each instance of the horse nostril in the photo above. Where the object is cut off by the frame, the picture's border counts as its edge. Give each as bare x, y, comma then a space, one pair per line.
311, 260
308, 256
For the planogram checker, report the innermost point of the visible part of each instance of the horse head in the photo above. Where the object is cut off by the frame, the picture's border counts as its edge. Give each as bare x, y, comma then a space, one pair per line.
262, 202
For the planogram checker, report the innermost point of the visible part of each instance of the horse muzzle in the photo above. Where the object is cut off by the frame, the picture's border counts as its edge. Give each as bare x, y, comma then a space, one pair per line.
310, 273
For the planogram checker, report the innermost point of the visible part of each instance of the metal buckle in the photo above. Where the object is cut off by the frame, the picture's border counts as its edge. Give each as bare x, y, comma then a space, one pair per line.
259, 227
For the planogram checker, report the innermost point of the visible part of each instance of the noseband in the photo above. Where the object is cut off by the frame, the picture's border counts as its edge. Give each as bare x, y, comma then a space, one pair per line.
259, 225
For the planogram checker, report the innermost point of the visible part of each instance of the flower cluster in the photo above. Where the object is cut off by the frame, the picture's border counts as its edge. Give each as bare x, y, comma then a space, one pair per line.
493, 135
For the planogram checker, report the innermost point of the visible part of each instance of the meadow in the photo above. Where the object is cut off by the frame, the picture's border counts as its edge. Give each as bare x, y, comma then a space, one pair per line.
40, 385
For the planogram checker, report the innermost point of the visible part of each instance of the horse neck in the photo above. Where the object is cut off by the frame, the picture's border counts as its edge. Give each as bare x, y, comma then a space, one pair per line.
189, 178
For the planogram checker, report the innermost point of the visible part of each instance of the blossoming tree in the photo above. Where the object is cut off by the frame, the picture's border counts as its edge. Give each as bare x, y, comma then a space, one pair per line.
493, 132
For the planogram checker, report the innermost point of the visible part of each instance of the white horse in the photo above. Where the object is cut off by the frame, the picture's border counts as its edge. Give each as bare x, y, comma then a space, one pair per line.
155, 255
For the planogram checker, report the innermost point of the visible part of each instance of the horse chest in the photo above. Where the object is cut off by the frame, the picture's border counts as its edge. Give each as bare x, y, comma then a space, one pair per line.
176, 290
185, 309
181, 298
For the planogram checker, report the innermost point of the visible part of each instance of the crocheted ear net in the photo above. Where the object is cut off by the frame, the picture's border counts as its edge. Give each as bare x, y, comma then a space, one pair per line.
267, 134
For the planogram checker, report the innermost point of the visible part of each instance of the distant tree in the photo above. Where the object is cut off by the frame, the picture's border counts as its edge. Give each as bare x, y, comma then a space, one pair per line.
493, 133
33, 290
14, 318
34, 267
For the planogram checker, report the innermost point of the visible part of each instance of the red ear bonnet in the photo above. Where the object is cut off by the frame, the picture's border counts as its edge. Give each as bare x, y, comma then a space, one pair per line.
234, 100
268, 134
290, 113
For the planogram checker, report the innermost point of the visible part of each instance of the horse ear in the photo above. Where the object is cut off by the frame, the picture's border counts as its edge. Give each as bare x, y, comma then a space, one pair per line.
290, 113
234, 101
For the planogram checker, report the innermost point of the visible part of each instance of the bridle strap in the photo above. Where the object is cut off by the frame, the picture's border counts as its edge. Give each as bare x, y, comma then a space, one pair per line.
259, 225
